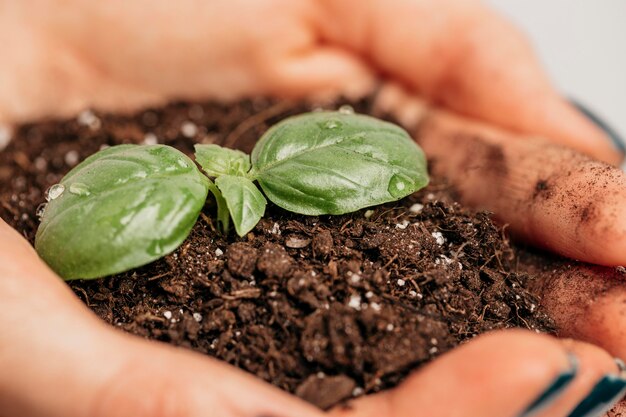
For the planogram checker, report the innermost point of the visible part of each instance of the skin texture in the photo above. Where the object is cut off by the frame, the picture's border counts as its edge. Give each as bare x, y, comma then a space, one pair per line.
547, 195
123, 55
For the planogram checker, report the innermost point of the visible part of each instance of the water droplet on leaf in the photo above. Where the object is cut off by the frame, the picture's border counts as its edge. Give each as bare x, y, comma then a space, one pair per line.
79, 189
332, 124
157, 150
397, 186
55, 192
41, 209
346, 109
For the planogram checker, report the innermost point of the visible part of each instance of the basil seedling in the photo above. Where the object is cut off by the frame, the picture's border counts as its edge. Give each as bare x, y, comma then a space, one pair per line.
129, 205
121, 208
316, 163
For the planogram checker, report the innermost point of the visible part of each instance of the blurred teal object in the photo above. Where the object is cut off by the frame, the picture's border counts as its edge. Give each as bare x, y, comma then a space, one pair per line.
618, 141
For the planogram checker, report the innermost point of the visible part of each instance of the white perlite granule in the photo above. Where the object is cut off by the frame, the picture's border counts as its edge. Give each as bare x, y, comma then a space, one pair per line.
416, 208
355, 302
439, 238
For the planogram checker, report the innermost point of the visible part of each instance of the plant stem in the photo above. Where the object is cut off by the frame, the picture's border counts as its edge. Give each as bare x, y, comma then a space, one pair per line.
223, 215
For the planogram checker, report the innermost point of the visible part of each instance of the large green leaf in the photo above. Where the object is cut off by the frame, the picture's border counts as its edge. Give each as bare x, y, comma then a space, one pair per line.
245, 202
121, 208
335, 163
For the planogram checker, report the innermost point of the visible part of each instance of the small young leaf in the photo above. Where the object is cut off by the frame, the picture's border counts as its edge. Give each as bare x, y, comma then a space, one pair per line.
216, 161
335, 163
245, 202
121, 208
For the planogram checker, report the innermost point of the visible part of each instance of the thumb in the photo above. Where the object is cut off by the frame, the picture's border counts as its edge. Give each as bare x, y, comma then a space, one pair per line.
59, 360
505, 374
156, 380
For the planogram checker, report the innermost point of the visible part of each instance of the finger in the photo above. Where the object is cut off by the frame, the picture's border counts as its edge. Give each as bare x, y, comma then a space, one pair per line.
67, 61
562, 123
58, 359
596, 369
469, 59
319, 72
587, 302
548, 195
511, 373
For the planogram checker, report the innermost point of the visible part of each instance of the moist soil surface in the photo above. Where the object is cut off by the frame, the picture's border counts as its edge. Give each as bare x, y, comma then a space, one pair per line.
326, 307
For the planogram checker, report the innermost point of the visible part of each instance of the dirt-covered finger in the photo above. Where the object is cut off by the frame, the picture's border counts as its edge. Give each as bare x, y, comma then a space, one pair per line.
587, 302
550, 196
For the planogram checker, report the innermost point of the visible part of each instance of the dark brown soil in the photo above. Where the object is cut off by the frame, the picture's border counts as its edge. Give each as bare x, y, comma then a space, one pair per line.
325, 307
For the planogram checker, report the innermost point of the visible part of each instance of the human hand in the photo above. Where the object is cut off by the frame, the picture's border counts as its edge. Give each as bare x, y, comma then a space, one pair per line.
458, 54
546, 194
274, 47
58, 359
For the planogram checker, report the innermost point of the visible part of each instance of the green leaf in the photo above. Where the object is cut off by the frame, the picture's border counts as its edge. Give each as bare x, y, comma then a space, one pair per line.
244, 200
216, 161
121, 208
336, 163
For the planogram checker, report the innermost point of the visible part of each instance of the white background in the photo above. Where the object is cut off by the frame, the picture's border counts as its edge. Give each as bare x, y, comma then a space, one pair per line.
583, 46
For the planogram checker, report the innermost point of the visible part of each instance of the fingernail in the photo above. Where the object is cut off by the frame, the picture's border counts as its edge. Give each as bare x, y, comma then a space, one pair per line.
602, 397
608, 130
554, 390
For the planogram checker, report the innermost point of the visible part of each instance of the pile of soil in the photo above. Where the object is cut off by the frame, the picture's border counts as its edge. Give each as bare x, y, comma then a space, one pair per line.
325, 307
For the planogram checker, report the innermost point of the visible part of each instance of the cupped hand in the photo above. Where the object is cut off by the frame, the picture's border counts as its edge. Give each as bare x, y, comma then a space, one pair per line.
60, 360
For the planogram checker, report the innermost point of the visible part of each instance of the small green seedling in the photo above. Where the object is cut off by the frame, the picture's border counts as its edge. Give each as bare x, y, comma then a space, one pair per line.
129, 205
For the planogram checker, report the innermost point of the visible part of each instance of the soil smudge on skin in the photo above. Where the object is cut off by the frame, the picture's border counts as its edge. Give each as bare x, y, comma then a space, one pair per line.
326, 307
